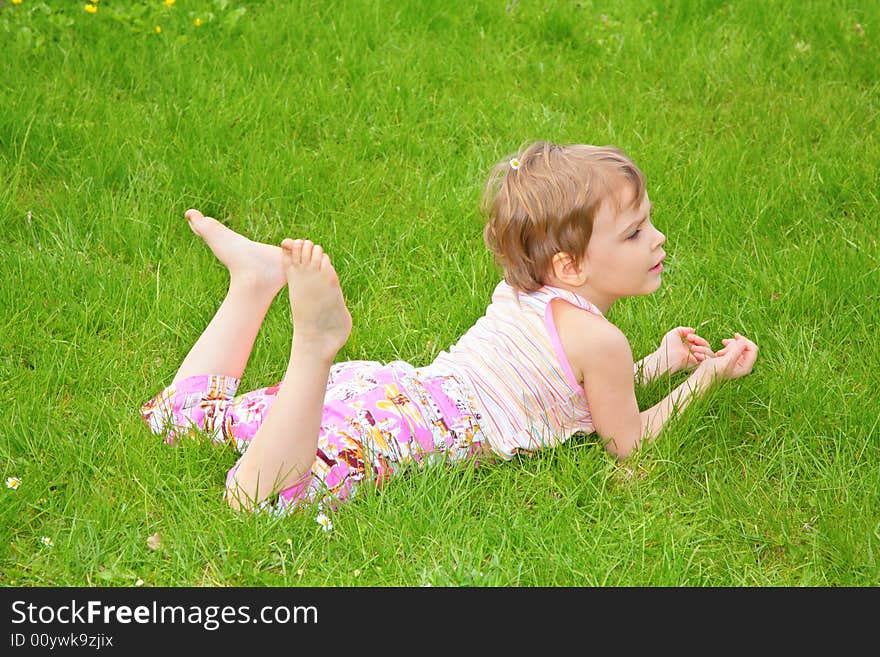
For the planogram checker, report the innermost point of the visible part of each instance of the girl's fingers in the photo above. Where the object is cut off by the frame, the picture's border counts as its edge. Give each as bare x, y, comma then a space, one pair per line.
751, 358
702, 353
740, 336
739, 345
737, 348
695, 339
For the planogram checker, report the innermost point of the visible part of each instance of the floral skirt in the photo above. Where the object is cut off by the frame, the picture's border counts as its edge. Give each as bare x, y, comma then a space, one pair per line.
377, 418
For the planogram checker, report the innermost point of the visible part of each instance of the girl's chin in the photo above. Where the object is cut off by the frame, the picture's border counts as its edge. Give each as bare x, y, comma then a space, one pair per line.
657, 283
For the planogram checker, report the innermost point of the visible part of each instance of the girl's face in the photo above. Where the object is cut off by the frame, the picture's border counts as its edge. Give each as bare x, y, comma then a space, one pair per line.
624, 254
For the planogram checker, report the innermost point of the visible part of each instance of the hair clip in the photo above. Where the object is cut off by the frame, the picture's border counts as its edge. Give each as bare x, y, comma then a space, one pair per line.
515, 164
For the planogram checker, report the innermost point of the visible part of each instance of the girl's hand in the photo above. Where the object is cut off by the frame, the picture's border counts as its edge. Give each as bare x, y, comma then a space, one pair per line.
681, 349
734, 360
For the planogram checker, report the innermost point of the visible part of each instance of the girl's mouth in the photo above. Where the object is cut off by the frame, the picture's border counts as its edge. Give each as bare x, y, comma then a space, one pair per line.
656, 269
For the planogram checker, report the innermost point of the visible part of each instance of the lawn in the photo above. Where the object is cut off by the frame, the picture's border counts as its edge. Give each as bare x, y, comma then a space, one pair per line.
370, 128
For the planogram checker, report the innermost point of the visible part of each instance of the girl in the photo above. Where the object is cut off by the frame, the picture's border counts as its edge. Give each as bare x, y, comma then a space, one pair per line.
570, 227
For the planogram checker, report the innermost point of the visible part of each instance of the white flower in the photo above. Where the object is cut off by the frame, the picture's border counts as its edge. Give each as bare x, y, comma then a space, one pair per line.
515, 164
139, 582
45, 540
324, 521
13, 482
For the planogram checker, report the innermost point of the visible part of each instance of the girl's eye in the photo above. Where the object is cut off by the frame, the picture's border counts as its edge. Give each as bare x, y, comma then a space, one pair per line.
635, 234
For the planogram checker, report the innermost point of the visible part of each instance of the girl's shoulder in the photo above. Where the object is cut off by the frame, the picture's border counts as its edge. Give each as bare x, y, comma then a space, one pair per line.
580, 332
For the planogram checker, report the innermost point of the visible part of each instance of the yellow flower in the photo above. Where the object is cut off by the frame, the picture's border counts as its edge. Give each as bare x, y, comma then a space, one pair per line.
16, 2
198, 22
91, 8
158, 30
13, 482
168, 3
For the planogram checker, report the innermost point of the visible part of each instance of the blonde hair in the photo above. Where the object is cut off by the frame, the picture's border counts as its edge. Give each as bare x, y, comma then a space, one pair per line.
542, 201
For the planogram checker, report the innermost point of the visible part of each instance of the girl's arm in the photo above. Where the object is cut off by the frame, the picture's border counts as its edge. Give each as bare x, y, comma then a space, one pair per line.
648, 369
653, 419
607, 365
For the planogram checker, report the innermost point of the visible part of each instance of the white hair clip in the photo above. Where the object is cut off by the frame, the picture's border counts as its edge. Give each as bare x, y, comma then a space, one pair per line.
515, 164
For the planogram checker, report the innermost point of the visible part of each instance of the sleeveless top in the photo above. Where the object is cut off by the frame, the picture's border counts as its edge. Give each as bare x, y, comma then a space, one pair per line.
522, 383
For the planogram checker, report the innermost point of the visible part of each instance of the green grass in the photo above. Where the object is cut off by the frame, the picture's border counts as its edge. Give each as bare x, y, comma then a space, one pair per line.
369, 127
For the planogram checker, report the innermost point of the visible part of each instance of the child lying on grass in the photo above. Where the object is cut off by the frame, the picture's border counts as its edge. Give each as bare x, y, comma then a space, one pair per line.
569, 225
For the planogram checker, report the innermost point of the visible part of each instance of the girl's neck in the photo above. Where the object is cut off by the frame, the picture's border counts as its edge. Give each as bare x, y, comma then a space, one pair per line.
601, 301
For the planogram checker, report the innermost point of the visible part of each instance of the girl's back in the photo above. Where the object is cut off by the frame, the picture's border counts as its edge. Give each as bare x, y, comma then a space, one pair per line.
515, 363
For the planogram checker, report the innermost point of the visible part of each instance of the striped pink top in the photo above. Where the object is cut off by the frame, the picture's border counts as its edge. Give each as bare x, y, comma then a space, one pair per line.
523, 385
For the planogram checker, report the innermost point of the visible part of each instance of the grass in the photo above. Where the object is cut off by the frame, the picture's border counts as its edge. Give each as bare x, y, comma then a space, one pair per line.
369, 128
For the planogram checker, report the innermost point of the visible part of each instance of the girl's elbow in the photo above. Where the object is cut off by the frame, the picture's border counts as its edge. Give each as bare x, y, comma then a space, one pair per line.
620, 449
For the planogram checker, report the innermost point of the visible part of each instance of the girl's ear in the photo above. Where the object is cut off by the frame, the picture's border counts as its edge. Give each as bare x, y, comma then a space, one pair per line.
567, 271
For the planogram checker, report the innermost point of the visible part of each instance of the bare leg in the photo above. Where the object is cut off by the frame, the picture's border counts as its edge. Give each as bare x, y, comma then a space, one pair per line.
282, 451
256, 275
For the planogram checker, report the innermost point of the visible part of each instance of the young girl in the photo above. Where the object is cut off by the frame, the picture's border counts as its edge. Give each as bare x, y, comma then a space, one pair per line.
570, 227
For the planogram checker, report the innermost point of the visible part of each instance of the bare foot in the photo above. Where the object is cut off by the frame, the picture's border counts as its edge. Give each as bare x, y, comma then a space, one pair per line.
321, 321
250, 262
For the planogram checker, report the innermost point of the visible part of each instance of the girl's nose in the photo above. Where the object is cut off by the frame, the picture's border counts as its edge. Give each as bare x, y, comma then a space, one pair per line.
661, 238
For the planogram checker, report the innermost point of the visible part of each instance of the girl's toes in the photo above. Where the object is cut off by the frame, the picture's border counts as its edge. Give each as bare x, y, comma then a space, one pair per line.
196, 220
305, 253
317, 255
301, 251
291, 251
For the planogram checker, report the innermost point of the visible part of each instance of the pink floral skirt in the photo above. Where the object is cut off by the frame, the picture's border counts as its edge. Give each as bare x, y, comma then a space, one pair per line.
377, 419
